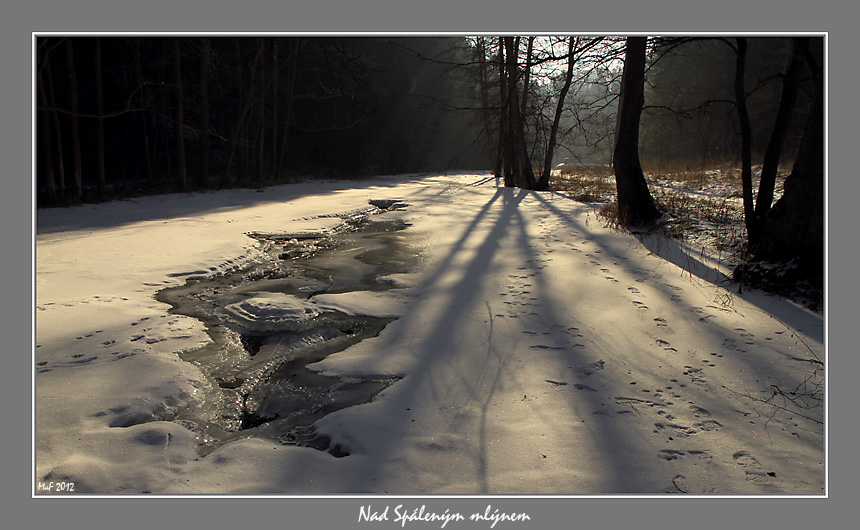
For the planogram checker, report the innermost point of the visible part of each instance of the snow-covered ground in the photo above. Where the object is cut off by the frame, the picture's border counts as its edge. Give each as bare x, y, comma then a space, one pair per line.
538, 351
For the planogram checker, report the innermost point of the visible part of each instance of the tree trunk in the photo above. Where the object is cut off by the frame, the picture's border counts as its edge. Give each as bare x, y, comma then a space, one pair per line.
76, 130
522, 174
770, 166
100, 121
543, 183
635, 204
45, 135
55, 120
205, 141
746, 134
527, 74
143, 112
794, 227
179, 121
240, 125
275, 67
492, 142
261, 116
162, 143
294, 58
504, 124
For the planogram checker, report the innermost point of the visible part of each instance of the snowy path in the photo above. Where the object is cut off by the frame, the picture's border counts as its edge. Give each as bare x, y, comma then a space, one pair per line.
540, 352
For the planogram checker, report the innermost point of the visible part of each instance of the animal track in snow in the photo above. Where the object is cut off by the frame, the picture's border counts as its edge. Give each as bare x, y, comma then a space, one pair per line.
588, 370
696, 375
731, 344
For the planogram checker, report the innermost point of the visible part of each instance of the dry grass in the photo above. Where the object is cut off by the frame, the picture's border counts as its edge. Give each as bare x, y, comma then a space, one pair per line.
691, 176
585, 183
700, 201
609, 214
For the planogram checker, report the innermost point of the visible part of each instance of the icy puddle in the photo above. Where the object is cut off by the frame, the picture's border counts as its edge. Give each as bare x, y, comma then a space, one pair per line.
270, 320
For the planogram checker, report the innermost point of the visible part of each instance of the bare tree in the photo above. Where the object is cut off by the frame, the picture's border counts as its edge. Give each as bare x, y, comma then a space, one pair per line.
76, 128
240, 122
205, 133
794, 227
517, 163
100, 120
746, 131
790, 87
180, 120
635, 204
45, 135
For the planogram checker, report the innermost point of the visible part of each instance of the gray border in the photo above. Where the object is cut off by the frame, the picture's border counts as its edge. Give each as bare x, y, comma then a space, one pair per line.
394, 16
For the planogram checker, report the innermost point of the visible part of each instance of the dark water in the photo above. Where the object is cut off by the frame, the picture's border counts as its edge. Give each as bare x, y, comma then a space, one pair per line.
258, 356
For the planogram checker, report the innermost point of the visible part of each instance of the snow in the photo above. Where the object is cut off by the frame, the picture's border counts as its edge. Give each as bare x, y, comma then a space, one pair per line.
539, 351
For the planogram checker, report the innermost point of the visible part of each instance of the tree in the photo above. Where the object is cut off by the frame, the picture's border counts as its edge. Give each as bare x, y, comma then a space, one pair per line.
635, 204
100, 120
490, 130
517, 165
573, 51
205, 134
247, 99
746, 131
76, 128
45, 124
790, 87
179, 120
543, 182
55, 121
794, 228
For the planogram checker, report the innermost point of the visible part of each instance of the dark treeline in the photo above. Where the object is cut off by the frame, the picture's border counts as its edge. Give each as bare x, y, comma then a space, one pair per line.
122, 115
690, 115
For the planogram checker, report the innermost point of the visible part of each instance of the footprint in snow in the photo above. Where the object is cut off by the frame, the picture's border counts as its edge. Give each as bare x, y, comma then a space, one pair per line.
752, 467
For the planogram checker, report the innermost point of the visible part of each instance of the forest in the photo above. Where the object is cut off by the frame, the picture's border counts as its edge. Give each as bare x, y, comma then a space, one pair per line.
121, 116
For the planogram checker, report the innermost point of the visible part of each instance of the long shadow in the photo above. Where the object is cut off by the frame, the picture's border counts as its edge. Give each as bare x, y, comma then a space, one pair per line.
749, 364
673, 252
587, 402
433, 353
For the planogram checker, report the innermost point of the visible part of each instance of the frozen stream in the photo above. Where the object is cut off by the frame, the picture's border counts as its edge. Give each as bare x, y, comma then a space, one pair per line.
267, 322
